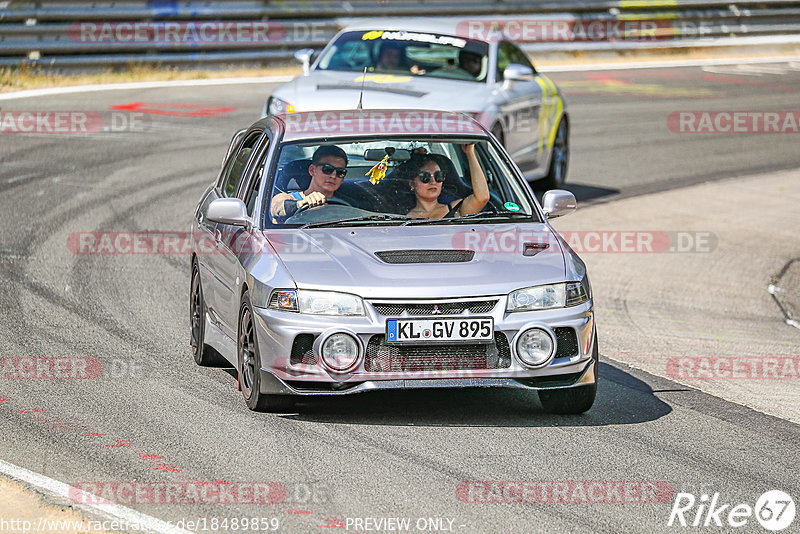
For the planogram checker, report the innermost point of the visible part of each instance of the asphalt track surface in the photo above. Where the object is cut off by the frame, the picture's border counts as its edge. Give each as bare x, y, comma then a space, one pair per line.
153, 416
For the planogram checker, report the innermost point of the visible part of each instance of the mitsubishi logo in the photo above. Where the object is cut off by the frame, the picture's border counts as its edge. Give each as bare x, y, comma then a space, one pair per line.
436, 310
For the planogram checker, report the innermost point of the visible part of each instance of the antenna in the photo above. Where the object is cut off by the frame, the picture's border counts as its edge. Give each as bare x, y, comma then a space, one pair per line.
361, 95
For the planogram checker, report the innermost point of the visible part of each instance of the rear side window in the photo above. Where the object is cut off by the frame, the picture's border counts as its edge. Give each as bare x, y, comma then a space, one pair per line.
234, 169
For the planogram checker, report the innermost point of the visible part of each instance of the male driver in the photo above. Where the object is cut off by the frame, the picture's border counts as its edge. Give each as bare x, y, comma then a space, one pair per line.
470, 62
392, 57
327, 169
469, 66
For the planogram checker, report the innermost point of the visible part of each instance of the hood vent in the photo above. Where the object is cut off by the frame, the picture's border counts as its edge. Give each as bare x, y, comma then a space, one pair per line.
532, 249
425, 256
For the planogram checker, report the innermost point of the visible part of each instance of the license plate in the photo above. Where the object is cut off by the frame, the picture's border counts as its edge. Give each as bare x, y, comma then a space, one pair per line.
478, 329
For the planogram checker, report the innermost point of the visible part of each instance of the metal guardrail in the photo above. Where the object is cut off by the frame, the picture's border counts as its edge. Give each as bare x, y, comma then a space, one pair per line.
174, 10
48, 33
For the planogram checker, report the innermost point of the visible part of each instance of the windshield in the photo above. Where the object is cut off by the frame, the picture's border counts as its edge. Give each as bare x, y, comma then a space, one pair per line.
409, 53
394, 182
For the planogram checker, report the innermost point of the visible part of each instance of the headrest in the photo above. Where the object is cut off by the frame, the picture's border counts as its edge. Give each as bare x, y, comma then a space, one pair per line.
294, 176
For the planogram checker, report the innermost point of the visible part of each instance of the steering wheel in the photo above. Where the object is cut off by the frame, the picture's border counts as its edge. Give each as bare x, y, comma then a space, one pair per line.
350, 61
332, 200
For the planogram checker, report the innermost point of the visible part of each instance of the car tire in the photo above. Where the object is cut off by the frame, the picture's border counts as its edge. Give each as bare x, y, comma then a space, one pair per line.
559, 159
571, 401
202, 353
249, 366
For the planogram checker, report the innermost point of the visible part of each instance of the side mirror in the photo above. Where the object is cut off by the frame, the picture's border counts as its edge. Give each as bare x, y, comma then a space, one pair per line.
556, 203
228, 211
304, 57
516, 73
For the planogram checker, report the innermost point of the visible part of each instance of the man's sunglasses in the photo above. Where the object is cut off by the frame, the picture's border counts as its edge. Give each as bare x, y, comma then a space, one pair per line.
425, 177
328, 169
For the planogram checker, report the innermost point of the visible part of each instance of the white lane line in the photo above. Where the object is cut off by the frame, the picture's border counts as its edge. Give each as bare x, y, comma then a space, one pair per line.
109, 511
281, 79
667, 64
20, 178
142, 85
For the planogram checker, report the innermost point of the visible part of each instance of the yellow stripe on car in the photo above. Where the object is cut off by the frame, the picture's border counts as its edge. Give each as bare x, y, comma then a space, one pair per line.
382, 78
647, 3
550, 112
661, 15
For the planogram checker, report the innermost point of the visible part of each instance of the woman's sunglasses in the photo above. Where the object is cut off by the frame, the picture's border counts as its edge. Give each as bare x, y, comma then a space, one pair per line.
425, 177
328, 169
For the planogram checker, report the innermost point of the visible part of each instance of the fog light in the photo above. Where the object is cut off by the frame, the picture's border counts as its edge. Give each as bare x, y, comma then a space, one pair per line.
340, 352
535, 347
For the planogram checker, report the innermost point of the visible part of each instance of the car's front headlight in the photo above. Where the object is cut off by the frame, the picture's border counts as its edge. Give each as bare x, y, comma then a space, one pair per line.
316, 302
276, 106
549, 296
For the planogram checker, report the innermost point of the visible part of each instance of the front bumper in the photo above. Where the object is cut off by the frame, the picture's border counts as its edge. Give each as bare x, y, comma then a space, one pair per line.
280, 374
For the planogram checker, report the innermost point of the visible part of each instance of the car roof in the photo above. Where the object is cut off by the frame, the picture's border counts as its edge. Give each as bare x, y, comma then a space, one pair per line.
439, 25
376, 123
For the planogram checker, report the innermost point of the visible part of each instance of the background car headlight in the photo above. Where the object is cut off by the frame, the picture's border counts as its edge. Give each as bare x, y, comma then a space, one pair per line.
276, 106
316, 302
548, 296
340, 352
535, 347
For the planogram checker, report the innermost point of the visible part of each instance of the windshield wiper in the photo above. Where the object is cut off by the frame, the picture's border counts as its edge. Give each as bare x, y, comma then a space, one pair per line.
473, 217
386, 217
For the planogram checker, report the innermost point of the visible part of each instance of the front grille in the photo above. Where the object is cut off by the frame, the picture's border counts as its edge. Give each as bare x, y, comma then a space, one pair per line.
434, 308
302, 350
385, 358
426, 256
567, 342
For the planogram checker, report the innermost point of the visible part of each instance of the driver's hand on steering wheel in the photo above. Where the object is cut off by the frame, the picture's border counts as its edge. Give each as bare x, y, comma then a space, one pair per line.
312, 199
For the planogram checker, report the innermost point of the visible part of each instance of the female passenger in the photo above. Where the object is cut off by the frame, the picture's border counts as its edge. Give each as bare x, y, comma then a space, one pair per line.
425, 179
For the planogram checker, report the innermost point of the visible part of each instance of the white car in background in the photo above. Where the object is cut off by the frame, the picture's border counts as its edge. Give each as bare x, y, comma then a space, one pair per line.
423, 65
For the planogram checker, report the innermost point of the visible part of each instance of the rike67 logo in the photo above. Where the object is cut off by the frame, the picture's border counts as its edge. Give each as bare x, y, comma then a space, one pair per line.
774, 510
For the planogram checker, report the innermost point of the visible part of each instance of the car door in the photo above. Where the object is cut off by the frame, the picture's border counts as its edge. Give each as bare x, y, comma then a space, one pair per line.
520, 109
222, 262
236, 241
205, 230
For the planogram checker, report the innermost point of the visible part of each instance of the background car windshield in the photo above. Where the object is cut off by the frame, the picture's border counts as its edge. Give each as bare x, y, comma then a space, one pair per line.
409, 53
357, 196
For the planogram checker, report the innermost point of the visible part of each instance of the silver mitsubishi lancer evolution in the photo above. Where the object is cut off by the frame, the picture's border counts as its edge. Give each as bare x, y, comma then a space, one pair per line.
341, 252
